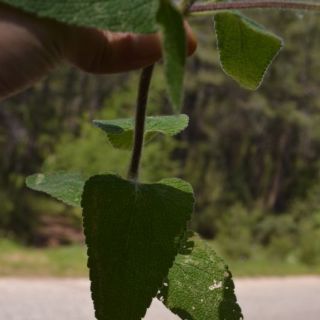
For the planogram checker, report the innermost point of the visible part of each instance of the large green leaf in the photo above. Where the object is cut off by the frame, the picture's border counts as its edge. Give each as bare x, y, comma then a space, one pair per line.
120, 131
66, 187
175, 49
246, 49
115, 15
200, 286
132, 233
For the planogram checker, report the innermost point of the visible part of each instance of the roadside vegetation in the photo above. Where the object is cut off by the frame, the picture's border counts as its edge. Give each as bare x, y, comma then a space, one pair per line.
70, 261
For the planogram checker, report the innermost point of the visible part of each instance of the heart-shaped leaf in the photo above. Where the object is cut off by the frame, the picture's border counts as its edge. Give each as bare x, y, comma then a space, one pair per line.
200, 286
246, 49
132, 233
120, 131
66, 187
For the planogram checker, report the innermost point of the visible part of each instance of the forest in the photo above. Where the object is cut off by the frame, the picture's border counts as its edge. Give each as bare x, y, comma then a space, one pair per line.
252, 157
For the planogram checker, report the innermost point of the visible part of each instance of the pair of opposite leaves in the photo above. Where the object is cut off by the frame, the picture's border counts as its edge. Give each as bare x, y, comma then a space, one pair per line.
246, 49
133, 233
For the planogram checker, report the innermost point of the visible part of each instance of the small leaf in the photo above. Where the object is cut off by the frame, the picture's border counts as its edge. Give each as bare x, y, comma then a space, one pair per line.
132, 233
66, 187
175, 49
115, 15
200, 286
120, 131
246, 49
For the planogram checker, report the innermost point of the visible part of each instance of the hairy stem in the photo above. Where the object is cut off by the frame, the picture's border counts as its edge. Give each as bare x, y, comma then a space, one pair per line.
254, 4
140, 117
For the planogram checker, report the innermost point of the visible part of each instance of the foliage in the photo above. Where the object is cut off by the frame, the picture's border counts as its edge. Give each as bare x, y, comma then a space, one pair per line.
115, 15
260, 150
246, 49
77, 153
134, 227
174, 45
238, 228
120, 131
124, 219
68, 98
66, 187
200, 286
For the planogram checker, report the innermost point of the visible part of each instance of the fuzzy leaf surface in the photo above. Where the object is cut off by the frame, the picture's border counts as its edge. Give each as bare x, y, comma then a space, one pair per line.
132, 233
66, 187
200, 286
115, 15
120, 131
246, 49
175, 49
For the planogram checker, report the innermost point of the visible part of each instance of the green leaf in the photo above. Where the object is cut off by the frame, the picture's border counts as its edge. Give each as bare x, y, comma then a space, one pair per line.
115, 15
120, 131
200, 286
132, 233
66, 187
246, 49
175, 49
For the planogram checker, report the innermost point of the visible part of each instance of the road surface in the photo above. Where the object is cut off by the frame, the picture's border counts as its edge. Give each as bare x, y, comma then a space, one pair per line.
261, 299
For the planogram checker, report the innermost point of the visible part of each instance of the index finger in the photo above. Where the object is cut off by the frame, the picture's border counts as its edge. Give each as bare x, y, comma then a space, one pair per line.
105, 52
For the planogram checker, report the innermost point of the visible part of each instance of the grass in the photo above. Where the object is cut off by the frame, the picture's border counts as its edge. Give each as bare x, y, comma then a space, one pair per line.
19, 261
263, 264
70, 261
266, 267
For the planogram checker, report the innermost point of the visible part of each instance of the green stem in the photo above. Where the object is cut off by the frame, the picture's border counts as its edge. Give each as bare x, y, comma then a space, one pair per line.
254, 4
144, 85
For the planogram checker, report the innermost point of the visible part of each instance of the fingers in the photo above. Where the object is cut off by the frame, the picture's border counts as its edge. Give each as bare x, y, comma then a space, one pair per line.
28, 49
191, 40
31, 47
105, 52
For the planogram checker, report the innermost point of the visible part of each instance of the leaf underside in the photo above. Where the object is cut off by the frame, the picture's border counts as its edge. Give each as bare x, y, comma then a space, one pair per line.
132, 233
175, 50
246, 49
200, 286
115, 15
120, 131
66, 187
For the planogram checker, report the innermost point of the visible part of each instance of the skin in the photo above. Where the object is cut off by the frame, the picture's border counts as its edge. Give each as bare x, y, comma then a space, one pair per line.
30, 47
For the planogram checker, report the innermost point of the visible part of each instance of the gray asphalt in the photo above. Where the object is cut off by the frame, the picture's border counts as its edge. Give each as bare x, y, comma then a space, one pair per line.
261, 299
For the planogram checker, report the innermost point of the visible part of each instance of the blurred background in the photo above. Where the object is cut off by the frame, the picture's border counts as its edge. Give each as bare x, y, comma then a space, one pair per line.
252, 157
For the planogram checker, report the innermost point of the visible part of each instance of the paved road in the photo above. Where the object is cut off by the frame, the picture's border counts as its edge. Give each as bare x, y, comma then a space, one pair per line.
280, 298
261, 299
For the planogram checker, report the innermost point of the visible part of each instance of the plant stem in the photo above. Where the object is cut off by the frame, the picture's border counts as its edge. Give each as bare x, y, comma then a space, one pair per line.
254, 4
140, 117
186, 5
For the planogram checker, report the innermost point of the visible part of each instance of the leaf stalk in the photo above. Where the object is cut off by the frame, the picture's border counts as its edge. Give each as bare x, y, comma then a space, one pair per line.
186, 5
254, 4
140, 117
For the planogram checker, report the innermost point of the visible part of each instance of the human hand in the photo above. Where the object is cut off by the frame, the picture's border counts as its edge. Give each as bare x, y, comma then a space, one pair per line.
30, 47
